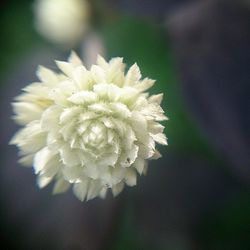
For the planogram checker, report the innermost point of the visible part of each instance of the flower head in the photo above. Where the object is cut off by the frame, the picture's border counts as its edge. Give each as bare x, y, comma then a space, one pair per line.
94, 129
62, 21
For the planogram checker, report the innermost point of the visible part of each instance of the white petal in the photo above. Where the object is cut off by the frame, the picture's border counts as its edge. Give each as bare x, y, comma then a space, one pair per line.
107, 178
156, 98
97, 128
83, 97
108, 122
33, 142
69, 156
154, 111
45, 160
116, 189
138, 121
120, 110
160, 138
110, 135
147, 149
118, 174
26, 112
115, 72
130, 177
156, 155
88, 115
69, 113
40, 160
83, 127
98, 74
108, 91
128, 96
80, 190
94, 189
74, 59
116, 64
139, 164
117, 78
100, 108
27, 160
130, 156
65, 67
46, 75
108, 159
155, 127
60, 186
82, 77
35, 92
103, 193
30, 139
43, 181
73, 174
139, 126
91, 170
102, 62
133, 75
68, 130
140, 103
62, 91
144, 84
50, 118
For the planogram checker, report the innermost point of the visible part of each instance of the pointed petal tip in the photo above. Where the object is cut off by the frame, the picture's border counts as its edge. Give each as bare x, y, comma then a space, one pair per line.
74, 59
12, 141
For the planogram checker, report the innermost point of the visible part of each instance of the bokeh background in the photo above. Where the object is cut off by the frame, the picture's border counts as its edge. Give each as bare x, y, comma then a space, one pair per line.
197, 196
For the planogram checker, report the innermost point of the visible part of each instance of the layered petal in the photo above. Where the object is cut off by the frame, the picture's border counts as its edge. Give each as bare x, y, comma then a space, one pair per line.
92, 130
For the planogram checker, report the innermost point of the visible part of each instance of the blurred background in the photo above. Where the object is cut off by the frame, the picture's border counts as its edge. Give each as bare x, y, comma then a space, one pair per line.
197, 196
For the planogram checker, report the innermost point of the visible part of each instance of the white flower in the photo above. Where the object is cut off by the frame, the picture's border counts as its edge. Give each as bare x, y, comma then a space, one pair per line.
94, 129
62, 21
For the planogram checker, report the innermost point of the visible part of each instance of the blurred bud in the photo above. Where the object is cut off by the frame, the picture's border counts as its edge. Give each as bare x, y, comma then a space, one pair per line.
63, 22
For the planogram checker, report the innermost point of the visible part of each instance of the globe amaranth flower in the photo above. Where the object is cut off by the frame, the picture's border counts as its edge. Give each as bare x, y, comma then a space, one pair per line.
93, 129
63, 22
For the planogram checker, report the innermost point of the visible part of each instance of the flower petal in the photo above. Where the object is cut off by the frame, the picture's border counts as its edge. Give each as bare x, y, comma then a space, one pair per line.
83, 97
74, 59
46, 75
43, 181
130, 177
133, 75
60, 186
65, 67
46, 162
160, 138
145, 84
72, 174
139, 165
94, 189
80, 189
117, 188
